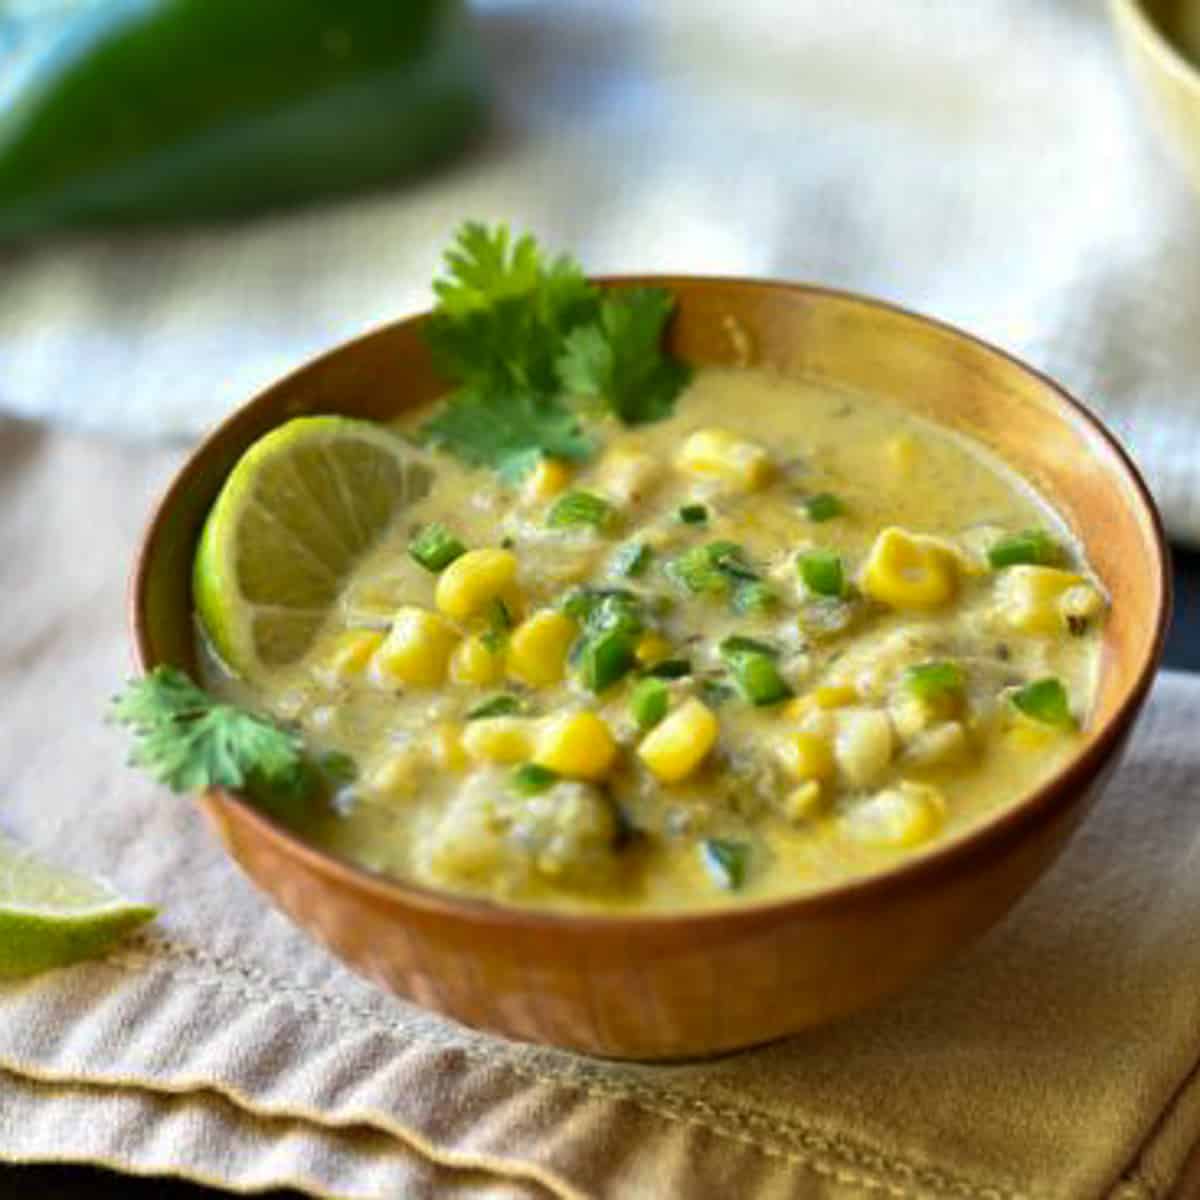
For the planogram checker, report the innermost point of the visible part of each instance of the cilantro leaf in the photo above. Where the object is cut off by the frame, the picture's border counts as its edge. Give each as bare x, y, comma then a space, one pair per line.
503, 312
188, 740
509, 432
618, 359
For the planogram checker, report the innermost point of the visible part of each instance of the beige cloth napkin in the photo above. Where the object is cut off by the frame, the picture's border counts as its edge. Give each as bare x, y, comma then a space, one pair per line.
1057, 1058
982, 161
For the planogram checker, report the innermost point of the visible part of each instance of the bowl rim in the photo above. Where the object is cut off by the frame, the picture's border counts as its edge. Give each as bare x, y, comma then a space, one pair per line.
1143, 26
975, 844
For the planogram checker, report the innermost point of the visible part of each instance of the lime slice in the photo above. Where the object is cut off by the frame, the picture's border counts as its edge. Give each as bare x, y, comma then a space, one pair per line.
49, 918
301, 507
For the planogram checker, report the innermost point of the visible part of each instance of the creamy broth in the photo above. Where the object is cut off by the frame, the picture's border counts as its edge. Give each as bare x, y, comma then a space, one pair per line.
898, 727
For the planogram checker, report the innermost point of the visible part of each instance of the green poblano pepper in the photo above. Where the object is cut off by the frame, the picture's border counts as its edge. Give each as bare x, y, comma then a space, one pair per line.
131, 110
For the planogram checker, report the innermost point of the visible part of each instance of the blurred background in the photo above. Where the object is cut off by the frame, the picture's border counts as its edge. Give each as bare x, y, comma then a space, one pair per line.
168, 244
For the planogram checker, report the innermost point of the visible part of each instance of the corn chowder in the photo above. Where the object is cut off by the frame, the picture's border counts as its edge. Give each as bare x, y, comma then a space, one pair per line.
782, 638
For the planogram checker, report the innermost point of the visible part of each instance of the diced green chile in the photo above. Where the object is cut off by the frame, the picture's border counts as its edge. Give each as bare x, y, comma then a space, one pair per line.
752, 665
693, 514
632, 559
726, 861
434, 547
1031, 546
710, 569
649, 702
823, 506
933, 681
580, 509
605, 658
504, 705
1045, 700
669, 668
822, 573
529, 779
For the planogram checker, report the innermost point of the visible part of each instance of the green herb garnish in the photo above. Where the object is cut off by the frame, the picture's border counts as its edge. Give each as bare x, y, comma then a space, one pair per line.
503, 705
529, 779
824, 506
752, 665
934, 682
189, 740
514, 329
1033, 546
648, 702
434, 547
576, 509
726, 860
693, 514
632, 559
1045, 700
618, 360
822, 573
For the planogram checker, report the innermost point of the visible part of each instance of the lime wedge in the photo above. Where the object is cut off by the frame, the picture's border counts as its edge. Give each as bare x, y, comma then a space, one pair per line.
49, 918
300, 508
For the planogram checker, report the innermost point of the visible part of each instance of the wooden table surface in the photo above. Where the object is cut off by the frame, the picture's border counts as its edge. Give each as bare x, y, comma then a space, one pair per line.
85, 1183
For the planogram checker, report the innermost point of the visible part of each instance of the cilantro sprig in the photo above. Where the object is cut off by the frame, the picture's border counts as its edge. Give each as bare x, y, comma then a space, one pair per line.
188, 740
524, 336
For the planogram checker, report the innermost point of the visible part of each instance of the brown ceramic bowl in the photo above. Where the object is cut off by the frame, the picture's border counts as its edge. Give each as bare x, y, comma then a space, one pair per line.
664, 985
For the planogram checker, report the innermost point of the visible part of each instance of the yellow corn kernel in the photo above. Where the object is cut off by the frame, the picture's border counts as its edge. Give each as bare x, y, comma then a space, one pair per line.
628, 475
473, 581
1028, 597
473, 663
537, 648
910, 571
416, 651
903, 815
448, 750
825, 698
803, 803
652, 648
718, 454
547, 479
901, 454
579, 745
396, 775
677, 746
347, 655
498, 739
1031, 736
806, 755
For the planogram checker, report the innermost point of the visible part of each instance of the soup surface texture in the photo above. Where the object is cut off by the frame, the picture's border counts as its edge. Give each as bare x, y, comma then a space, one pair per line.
781, 639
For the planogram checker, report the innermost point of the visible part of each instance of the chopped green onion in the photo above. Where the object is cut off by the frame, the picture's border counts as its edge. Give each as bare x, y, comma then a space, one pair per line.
649, 702
605, 657
529, 779
579, 508
932, 682
1045, 700
503, 705
669, 668
337, 767
632, 559
726, 860
1034, 546
752, 664
693, 514
822, 573
434, 547
753, 597
824, 506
